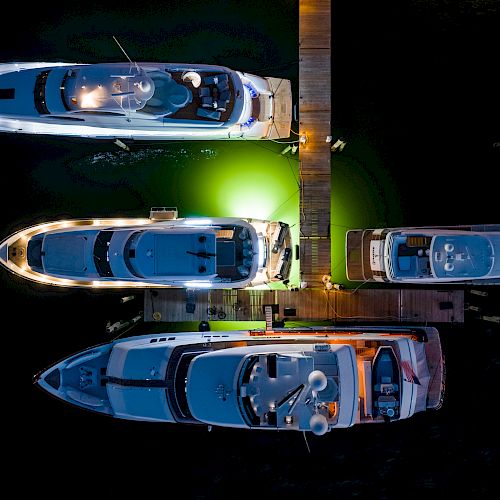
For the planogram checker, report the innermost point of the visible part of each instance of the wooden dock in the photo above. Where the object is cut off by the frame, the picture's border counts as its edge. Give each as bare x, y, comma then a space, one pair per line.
374, 305
315, 153
314, 303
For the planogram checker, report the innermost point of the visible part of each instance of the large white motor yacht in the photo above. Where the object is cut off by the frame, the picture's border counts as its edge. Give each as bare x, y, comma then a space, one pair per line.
143, 101
314, 379
461, 254
162, 251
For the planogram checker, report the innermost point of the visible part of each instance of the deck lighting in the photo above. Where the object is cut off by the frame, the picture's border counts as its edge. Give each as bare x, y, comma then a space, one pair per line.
260, 243
90, 99
198, 222
197, 284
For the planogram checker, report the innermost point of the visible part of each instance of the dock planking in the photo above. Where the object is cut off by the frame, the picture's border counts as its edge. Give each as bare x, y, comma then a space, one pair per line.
313, 303
315, 154
374, 305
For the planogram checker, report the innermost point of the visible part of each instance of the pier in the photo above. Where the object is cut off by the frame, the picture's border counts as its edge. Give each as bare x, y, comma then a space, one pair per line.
315, 153
313, 303
375, 305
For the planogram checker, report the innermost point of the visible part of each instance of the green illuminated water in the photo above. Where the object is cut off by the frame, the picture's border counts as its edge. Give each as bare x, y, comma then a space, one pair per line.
209, 179
363, 196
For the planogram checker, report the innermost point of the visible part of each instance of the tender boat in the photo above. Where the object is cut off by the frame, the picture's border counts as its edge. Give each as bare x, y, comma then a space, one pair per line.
309, 379
143, 101
162, 251
455, 254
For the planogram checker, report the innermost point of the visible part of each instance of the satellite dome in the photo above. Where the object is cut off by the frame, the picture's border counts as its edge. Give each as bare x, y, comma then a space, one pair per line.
318, 380
144, 86
318, 424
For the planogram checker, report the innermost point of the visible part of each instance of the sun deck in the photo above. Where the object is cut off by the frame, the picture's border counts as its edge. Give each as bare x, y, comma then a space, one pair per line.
464, 256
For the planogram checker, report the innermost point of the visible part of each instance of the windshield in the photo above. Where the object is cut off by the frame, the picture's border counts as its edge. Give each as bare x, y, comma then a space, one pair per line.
39, 93
177, 372
101, 255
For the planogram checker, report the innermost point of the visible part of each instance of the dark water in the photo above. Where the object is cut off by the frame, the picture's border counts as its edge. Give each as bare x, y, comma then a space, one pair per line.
415, 95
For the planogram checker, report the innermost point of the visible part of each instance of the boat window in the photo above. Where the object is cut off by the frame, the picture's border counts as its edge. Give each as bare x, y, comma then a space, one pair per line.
34, 253
7, 93
101, 113
39, 93
63, 86
180, 383
72, 118
177, 370
245, 404
101, 257
129, 253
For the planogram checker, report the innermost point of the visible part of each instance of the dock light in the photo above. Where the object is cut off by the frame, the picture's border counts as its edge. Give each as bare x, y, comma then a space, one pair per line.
303, 138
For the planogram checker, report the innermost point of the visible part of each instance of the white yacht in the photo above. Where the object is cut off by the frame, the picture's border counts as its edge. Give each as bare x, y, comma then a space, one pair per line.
310, 379
161, 251
460, 254
142, 101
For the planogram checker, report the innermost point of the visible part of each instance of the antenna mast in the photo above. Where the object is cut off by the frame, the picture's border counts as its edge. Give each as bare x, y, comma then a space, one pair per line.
126, 55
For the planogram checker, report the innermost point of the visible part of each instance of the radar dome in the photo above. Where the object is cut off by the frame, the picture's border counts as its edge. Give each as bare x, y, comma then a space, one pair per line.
318, 380
144, 86
318, 424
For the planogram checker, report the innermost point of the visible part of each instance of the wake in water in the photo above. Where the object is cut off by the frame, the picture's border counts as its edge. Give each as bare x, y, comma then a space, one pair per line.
125, 158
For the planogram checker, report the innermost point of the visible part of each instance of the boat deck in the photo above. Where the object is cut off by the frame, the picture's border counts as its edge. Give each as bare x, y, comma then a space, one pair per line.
189, 112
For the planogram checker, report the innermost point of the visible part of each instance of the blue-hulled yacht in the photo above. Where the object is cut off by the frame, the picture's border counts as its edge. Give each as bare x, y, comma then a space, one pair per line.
161, 251
308, 379
461, 254
143, 101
